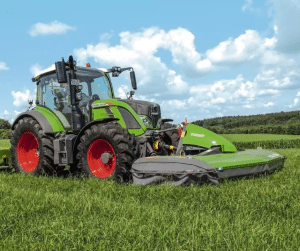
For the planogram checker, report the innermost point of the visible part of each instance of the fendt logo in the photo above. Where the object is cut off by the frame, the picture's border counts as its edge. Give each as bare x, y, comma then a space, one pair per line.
197, 135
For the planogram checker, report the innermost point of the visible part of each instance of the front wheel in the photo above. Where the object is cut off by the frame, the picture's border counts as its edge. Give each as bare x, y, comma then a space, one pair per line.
106, 152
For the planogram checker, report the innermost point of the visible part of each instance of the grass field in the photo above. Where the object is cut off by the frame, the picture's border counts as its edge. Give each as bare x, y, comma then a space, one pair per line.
258, 137
4, 144
41, 213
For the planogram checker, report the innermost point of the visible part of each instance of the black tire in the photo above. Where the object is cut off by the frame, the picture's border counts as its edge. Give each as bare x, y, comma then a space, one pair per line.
36, 156
171, 137
106, 151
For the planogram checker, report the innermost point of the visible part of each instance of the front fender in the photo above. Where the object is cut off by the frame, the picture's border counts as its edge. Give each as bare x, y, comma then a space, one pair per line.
40, 118
98, 121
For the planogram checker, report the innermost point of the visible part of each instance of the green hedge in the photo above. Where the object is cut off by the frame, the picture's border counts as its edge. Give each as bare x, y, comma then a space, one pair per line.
4, 124
269, 144
5, 133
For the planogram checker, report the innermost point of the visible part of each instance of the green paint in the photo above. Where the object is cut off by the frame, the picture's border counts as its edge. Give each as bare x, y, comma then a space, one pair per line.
251, 157
199, 136
54, 121
99, 113
110, 84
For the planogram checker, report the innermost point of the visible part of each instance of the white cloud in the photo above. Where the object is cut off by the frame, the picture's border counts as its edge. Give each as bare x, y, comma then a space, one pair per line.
248, 106
176, 84
268, 104
268, 92
122, 91
218, 100
248, 5
6, 112
246, 47
17, 112
21, 98
37, 69
105, 37
138, 49
3, 66
174, 104
54, 27
296, 100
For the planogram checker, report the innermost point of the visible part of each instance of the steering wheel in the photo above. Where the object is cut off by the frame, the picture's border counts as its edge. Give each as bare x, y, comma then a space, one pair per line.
95, 97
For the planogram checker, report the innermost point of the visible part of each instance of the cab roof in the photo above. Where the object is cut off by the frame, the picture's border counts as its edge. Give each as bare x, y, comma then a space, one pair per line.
51, 70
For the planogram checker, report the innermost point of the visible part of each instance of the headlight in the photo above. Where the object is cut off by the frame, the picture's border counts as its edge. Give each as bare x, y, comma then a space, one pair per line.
146, 121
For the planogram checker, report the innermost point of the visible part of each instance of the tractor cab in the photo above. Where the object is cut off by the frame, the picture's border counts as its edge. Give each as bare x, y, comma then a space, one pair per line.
94, 84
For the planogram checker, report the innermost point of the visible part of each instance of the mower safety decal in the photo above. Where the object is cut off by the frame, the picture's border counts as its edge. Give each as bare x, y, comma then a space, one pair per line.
197, 135
101, 104
274, 155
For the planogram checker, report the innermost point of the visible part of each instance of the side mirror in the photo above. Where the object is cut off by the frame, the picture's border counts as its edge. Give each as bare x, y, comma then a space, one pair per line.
133, 81
61, 73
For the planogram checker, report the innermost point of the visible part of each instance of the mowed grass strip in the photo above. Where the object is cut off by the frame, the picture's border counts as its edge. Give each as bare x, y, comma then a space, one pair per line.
41, 213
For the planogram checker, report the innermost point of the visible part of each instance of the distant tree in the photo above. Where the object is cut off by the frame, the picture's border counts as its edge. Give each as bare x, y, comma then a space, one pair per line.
4, 124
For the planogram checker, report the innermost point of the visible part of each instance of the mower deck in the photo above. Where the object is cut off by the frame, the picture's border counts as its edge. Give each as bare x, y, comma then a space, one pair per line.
202, 169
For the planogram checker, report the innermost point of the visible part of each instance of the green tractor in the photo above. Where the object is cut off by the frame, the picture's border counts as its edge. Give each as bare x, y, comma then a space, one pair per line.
78, 122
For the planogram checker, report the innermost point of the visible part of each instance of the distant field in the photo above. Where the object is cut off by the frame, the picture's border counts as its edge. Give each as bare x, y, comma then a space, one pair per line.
258, 137
4, 144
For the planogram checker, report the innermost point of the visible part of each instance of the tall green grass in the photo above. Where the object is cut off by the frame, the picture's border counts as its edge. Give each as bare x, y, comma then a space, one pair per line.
258, 137
4, 144
250, 141
41, 213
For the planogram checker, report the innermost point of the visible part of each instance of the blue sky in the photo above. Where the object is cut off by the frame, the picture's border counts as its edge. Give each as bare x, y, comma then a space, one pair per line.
198, 59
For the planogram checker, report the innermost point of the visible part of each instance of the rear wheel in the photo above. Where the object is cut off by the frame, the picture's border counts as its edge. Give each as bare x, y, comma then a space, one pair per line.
32, 150
106, 152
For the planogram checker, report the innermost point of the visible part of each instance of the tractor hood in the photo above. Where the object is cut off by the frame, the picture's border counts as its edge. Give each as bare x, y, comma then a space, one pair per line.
152, 110
199, 136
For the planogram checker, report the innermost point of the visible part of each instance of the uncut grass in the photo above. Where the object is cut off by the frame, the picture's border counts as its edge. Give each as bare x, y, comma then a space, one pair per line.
62, 214
258, 137
4, 144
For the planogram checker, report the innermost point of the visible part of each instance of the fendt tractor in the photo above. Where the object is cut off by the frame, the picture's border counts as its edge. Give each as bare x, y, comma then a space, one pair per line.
78, 122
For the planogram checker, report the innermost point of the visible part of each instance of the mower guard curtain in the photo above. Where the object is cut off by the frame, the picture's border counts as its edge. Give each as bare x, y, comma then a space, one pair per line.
176, 171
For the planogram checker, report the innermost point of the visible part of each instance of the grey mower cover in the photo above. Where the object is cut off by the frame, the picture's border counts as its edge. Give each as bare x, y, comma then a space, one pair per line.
178, 170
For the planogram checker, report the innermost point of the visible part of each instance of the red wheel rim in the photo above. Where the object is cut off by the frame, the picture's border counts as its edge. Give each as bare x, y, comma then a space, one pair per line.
96, 151
28, 152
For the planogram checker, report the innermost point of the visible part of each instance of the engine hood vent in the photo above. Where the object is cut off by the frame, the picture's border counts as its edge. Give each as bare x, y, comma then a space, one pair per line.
145, 108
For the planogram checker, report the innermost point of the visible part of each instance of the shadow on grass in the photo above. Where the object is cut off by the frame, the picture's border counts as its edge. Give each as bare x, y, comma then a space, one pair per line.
62, 174
250, 176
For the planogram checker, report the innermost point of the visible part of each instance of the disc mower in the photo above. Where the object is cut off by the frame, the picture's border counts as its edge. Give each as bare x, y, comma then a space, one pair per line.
78, 122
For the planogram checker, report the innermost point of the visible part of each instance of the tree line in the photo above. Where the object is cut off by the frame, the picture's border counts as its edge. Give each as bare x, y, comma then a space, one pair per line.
273, 123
